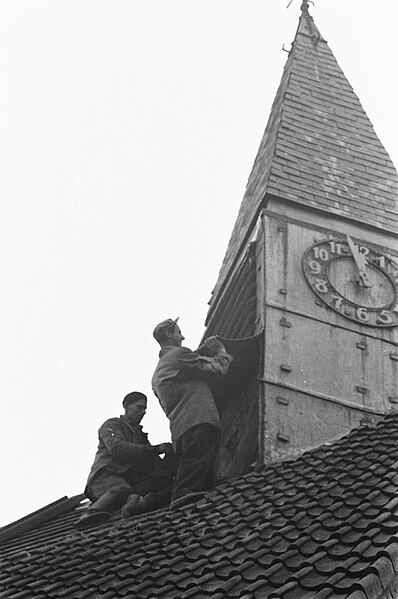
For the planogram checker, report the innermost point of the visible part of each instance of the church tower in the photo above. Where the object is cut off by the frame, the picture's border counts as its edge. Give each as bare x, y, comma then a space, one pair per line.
312, 263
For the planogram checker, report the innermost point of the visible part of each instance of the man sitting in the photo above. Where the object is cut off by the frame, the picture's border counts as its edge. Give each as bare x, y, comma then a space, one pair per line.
127, 469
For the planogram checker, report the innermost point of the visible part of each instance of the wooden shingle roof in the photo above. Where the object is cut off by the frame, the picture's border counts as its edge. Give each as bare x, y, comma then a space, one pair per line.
321, 526
319, 148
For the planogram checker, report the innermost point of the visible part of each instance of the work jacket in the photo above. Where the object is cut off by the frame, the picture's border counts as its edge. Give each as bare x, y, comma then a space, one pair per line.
180, 382
123, 448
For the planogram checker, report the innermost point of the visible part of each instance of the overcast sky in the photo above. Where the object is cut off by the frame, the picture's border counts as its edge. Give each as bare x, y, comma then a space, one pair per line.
128, 131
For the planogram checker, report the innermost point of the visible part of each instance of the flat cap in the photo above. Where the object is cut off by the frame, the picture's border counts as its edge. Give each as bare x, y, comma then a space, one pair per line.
160, 328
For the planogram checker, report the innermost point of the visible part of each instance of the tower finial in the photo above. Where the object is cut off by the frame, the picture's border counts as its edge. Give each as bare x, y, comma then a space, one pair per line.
305, 7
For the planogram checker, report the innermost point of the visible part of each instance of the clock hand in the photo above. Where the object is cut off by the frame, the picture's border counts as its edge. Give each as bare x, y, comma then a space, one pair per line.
361, 263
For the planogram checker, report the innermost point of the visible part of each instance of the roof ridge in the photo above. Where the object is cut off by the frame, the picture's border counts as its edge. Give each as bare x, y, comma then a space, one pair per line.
40, 516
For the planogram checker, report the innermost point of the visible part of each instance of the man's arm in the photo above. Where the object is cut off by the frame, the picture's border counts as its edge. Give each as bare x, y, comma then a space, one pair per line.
216, 360
123, 451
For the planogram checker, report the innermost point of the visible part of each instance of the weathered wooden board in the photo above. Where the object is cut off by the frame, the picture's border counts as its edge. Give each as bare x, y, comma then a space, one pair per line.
328, 361
295, 422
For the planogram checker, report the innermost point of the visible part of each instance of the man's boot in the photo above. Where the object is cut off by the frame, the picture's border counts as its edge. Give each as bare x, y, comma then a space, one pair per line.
101, 510
91, 518
135, 505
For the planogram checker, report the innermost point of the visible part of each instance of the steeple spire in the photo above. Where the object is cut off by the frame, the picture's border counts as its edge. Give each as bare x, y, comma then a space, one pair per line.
319, 148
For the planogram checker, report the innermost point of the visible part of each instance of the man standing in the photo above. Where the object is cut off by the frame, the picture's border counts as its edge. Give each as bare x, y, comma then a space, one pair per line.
127, 468
180, 382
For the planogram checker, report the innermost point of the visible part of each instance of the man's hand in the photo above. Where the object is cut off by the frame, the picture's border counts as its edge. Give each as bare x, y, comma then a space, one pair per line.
163, 448
214, 346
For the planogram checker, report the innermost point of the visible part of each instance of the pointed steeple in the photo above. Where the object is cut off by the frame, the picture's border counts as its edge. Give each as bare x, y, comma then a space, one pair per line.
319, 148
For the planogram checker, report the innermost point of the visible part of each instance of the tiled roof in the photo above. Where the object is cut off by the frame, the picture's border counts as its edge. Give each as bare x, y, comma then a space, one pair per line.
319, 148
323, 525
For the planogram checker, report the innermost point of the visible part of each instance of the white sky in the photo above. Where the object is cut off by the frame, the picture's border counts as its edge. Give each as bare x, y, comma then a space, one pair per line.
128, 132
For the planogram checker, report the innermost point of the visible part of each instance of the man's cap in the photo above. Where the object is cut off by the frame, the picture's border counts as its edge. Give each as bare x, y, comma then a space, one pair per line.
132, 397
160, 328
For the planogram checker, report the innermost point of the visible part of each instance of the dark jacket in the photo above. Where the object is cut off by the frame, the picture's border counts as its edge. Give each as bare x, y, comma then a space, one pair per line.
123, 449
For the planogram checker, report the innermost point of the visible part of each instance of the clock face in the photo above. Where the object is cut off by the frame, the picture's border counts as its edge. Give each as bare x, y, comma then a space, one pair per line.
354, 280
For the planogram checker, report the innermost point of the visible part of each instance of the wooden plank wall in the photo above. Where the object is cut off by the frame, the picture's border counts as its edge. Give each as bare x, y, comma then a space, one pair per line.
235, 316
322, 374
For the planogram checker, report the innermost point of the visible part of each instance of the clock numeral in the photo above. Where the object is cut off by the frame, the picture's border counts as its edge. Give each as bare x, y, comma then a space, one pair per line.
338, 301
315, 267
335, 248
321, 253
380, 261
362, 314
321, 286
363, 250
384, 318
